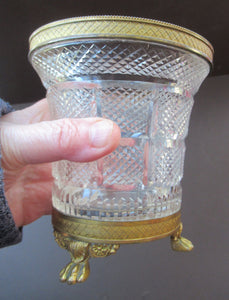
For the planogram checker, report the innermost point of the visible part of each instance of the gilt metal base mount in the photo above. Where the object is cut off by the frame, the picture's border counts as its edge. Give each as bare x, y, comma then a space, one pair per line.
87, 238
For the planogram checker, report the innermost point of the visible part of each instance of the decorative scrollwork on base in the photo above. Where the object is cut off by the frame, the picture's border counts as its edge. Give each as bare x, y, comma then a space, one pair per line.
84, 239
78, 269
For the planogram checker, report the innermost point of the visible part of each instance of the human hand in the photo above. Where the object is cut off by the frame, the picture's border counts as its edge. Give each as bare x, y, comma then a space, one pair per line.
30, 142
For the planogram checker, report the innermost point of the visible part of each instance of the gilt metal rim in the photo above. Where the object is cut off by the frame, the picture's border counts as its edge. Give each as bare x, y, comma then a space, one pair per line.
123, 27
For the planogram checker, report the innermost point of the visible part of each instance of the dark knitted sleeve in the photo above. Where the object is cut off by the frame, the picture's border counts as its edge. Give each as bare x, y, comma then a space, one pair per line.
9, 233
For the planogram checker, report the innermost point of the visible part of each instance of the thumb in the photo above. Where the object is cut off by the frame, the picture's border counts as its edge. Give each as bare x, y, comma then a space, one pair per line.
79, 140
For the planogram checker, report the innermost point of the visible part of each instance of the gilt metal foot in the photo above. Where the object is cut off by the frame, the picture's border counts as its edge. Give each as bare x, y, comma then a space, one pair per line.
179, 243
78, 269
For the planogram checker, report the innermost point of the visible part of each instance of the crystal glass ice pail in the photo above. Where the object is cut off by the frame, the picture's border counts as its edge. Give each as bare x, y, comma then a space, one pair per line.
143, 75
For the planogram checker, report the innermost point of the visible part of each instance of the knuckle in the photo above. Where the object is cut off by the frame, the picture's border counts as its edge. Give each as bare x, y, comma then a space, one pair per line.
67, 135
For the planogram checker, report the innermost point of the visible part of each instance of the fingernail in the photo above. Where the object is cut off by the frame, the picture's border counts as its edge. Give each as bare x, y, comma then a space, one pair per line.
100, 132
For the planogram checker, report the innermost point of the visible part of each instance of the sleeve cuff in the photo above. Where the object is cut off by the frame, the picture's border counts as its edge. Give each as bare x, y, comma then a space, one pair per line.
10, 234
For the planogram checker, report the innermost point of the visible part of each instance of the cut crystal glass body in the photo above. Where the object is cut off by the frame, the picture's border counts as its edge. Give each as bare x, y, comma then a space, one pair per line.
147, 89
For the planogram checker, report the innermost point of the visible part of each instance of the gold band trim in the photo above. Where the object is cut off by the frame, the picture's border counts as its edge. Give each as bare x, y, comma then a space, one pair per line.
121, 27
115, 232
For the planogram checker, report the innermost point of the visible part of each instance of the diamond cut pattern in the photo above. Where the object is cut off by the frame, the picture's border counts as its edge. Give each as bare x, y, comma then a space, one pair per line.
72, 100
167, 164
173, 115
131, 109
130, 58
124, 167
68, 173
140, 179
